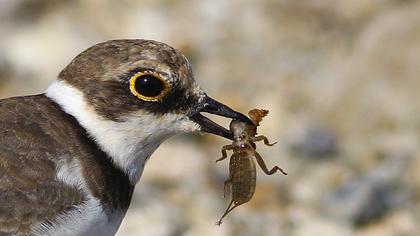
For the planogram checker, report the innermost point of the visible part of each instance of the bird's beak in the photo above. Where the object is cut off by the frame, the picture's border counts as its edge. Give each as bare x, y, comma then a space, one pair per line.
212, 106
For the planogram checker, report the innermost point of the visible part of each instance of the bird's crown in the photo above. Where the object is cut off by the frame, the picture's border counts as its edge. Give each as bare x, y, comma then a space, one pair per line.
118, 77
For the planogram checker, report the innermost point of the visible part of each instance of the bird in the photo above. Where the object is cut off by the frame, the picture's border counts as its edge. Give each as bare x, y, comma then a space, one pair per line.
71, 157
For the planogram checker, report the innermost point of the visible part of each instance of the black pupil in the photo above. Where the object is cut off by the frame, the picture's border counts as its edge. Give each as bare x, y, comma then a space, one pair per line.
149, 86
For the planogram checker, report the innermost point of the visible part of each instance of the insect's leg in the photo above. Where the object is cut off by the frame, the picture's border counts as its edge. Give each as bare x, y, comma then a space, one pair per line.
262, 137
228, 209
226, 186
261, 163
224, 153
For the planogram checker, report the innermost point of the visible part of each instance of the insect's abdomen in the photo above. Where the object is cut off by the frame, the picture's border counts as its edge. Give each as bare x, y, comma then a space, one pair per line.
243, 177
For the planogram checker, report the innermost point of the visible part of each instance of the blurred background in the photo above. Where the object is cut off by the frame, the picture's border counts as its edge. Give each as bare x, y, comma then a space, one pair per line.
340, 78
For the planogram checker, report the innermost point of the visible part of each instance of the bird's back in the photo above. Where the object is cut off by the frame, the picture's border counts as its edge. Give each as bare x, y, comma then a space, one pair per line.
44, 157
29, 190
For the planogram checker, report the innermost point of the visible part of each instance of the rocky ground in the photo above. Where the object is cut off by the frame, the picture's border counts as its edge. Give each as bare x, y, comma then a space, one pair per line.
340, 78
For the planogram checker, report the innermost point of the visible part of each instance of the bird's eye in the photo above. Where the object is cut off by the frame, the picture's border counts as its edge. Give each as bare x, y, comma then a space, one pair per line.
148, 86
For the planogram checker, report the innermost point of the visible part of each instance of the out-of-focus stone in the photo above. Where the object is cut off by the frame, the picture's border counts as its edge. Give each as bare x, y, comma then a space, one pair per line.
370, 197
401, 222
318, 142
5, 70
304, 222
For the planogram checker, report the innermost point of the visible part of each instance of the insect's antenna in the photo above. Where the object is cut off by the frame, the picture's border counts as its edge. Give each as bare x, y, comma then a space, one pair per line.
226, 212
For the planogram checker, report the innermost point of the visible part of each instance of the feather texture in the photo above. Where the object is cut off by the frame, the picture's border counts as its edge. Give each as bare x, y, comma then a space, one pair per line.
37, 139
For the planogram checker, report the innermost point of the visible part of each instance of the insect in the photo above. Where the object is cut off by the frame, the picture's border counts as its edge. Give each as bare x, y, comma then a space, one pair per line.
242, 173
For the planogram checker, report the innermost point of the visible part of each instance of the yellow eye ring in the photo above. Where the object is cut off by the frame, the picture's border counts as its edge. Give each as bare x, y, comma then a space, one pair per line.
148, 86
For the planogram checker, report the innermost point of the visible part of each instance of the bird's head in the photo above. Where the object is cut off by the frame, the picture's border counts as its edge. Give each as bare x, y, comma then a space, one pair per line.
131, 95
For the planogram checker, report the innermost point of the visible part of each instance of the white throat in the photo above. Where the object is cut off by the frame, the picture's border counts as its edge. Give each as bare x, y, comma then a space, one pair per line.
129, 143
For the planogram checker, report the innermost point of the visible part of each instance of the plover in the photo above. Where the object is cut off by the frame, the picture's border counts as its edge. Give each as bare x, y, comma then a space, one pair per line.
70, 157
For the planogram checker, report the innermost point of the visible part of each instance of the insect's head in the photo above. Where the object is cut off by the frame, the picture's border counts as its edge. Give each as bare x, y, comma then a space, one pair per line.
241, 130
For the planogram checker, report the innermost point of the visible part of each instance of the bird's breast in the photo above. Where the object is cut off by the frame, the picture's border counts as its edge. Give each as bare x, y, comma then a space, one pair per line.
89, 218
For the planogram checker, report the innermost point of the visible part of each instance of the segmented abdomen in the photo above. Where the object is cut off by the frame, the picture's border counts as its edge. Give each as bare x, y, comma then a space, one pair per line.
243, 176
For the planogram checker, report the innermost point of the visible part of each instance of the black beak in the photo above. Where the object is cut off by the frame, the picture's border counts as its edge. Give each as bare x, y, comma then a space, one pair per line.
212, 106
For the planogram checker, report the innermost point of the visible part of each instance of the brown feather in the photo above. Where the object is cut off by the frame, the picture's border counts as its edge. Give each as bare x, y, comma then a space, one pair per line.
36, 137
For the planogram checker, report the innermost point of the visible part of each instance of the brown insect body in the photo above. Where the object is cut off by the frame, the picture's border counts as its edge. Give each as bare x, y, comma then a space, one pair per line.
242, 175
242, 171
